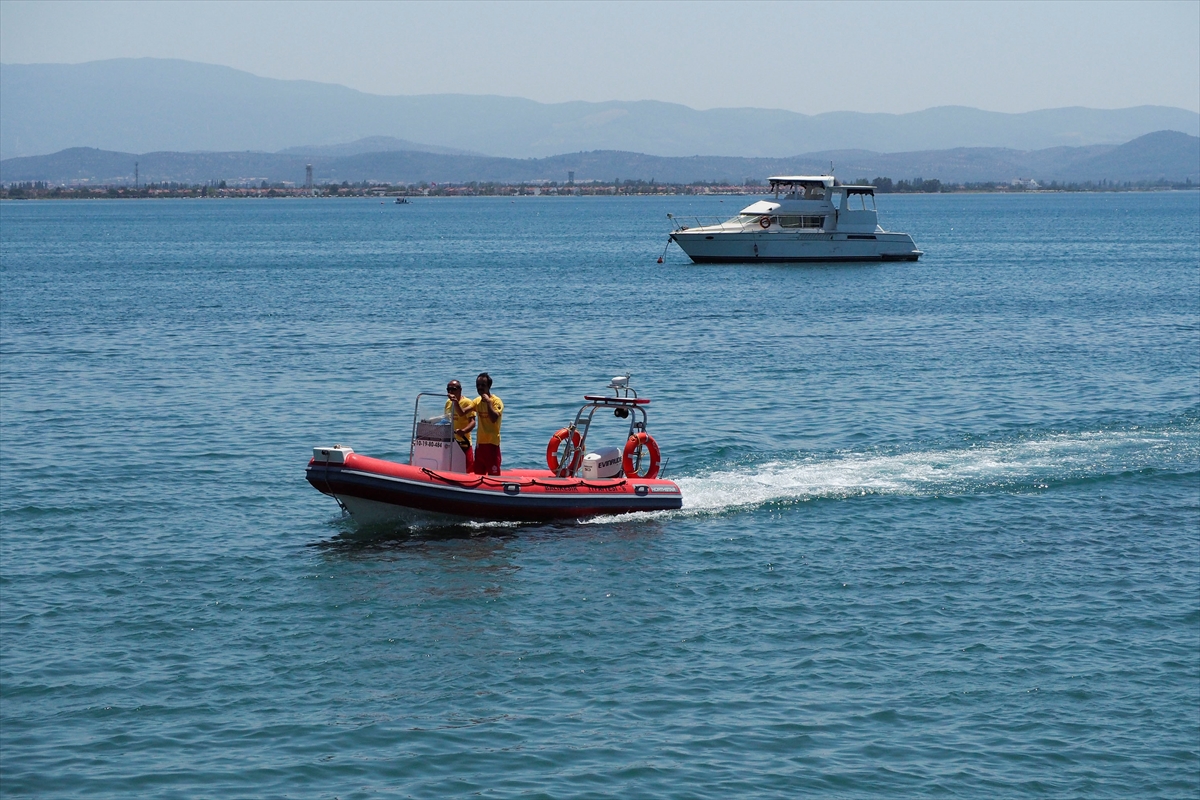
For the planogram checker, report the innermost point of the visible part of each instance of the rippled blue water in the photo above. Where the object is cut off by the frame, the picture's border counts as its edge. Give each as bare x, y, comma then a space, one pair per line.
941, 532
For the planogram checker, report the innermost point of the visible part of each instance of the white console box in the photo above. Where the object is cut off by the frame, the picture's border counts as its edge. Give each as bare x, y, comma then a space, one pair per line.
331, 455
434, 448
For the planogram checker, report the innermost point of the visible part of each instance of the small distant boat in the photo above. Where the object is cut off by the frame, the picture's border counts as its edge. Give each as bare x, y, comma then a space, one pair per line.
812, 218
435, 486
401, 201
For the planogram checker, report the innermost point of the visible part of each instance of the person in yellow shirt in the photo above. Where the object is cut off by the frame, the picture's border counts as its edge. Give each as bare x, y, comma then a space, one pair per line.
462, 419
488, 411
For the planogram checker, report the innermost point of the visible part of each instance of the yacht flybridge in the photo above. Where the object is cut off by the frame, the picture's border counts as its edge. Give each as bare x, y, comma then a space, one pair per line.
812, 218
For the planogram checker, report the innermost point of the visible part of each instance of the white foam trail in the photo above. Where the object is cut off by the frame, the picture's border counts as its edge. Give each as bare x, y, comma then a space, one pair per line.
1024, 464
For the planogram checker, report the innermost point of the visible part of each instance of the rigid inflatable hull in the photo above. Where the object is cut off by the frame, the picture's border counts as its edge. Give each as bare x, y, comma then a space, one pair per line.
374, 490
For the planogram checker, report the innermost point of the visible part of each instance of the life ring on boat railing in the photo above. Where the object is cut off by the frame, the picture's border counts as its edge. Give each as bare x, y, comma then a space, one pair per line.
765, 222
560, 436
635, 443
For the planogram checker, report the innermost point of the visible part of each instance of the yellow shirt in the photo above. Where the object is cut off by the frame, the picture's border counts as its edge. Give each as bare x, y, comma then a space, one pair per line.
486, 431
460, 418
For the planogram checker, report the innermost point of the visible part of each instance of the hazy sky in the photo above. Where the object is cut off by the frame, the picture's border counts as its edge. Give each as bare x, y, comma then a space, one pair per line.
806, 57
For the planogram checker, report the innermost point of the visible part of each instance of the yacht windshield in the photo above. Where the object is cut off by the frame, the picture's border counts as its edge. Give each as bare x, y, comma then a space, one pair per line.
802, 191
742, 219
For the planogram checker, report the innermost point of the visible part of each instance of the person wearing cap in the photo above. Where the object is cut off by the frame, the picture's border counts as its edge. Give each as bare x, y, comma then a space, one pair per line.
488, 410
461, 413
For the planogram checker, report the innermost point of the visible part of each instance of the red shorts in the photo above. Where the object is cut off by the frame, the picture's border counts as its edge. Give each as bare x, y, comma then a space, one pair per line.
487, 459
470, 458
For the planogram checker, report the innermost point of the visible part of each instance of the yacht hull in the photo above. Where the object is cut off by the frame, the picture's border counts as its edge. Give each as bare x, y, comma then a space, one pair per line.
707, 247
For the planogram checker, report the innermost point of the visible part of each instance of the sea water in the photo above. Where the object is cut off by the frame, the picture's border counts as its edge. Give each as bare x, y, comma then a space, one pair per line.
940, 536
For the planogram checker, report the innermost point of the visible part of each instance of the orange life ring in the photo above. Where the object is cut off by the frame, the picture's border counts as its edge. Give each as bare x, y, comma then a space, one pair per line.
635, 443
765, 222
556, 440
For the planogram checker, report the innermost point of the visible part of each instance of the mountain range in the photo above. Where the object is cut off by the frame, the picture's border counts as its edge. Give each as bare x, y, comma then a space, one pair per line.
1167, 155
154, 105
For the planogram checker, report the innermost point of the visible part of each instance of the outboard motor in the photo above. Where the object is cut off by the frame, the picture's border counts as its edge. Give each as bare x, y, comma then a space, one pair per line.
603, 463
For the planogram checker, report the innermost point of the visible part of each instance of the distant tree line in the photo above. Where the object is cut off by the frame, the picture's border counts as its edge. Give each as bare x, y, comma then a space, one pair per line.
263, 188
920, 185
887, 186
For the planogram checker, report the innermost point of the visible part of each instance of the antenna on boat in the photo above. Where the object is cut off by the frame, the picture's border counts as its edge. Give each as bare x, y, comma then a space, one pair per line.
620, 385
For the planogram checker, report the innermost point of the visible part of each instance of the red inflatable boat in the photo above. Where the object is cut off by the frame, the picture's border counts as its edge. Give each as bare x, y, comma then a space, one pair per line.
434, 485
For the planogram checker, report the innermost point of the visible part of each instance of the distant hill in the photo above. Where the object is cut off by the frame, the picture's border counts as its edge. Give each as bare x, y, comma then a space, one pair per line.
90, 165
152, 105
1159, 155
1164, 154
372, 144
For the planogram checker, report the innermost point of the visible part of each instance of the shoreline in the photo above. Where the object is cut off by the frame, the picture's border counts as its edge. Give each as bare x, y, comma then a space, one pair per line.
226, 194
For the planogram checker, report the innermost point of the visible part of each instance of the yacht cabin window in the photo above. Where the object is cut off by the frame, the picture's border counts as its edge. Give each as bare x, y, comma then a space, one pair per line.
801, 222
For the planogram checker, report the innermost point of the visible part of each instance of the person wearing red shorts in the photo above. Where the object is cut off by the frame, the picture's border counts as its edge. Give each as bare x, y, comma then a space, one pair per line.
488, 412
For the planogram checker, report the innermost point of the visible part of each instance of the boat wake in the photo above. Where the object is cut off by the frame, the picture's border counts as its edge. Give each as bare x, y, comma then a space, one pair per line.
1029, 463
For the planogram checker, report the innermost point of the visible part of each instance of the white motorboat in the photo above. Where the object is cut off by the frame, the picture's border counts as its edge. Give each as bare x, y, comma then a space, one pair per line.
812, 218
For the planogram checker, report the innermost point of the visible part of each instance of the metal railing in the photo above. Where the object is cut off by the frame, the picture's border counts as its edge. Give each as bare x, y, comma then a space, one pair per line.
681, 223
